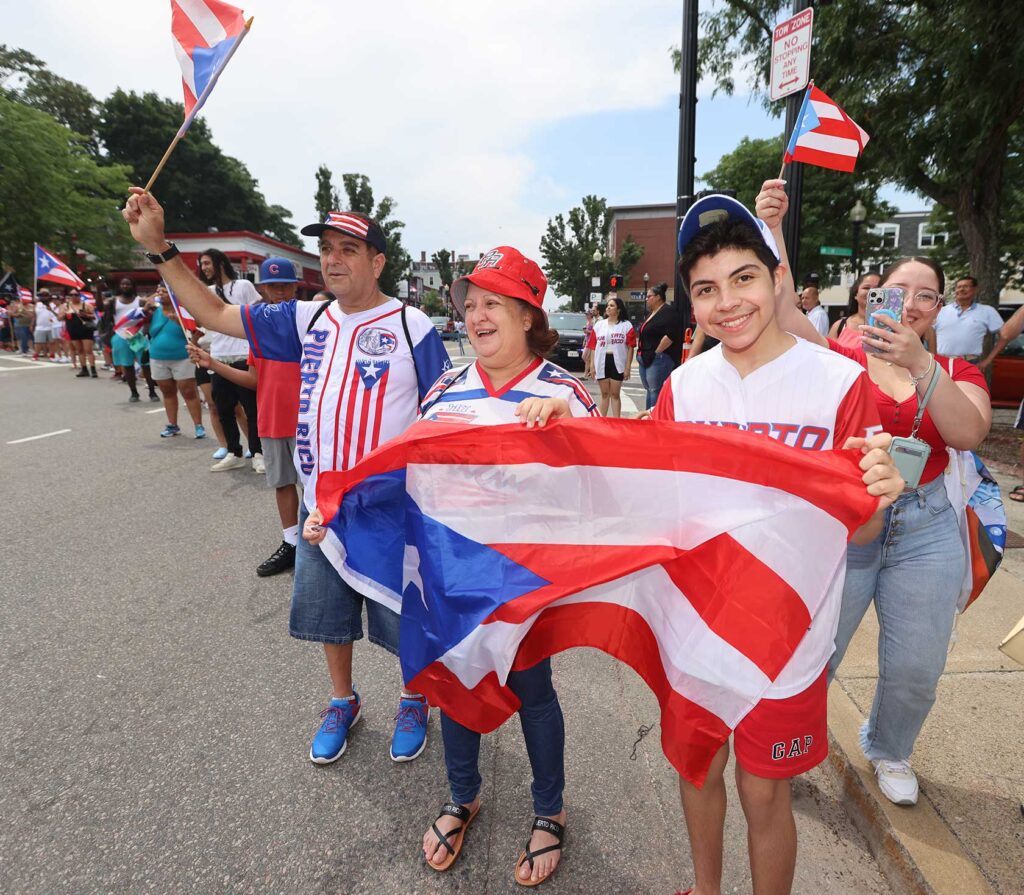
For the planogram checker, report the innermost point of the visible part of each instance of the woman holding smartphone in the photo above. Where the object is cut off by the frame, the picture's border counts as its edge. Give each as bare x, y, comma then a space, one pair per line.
914, 570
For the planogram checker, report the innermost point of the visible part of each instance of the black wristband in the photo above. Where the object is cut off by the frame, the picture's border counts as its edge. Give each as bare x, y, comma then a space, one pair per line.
163, 257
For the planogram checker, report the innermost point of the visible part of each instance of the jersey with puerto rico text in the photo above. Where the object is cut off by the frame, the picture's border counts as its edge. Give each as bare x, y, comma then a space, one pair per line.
358, 384
466, 395
809, 398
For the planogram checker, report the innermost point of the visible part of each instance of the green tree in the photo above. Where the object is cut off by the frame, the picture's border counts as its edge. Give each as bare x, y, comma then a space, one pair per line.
568, 248
432, 304
360, 198
443, 261
200, 187
326, 198
26, 79
828, 198
53, 192
939, 101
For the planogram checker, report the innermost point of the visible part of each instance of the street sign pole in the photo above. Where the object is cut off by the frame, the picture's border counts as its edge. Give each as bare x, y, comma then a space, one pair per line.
795, 181
687, 141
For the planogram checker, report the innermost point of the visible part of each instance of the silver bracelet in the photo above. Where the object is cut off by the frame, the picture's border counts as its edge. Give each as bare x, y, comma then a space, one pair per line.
917, 379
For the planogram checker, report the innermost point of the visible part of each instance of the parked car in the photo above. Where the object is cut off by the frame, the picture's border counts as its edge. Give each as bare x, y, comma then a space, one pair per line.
445, 327
571, 329
1008, 375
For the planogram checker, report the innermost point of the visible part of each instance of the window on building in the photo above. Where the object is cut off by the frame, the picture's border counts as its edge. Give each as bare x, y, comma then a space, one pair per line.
926, 239
889, 235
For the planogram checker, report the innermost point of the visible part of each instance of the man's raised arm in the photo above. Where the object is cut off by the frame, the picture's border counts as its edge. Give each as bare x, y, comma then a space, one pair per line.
145, 218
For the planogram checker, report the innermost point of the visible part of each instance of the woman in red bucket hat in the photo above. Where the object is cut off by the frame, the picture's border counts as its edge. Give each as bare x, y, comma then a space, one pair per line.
502, 303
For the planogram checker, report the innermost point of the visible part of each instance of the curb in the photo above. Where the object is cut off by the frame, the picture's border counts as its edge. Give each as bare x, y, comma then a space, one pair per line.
917, 853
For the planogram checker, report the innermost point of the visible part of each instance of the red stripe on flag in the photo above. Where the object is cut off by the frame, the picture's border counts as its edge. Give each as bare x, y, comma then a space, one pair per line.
640, 444
378, 419
231, 17
690, 734
184, 30
728, 587
831, 160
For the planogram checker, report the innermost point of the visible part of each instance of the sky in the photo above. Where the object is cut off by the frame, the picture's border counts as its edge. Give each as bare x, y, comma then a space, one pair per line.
482, 119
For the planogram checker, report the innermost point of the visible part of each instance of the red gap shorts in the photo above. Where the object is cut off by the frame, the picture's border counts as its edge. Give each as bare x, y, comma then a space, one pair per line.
785, 737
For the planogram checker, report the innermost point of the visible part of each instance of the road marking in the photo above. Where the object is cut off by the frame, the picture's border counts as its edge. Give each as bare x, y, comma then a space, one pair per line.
158, 410
37, 437
26, 369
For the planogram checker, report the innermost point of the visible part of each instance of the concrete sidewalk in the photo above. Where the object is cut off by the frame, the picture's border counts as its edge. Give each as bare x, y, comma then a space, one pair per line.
966, 835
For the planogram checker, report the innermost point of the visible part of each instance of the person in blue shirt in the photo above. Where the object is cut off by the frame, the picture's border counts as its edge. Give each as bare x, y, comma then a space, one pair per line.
170, 365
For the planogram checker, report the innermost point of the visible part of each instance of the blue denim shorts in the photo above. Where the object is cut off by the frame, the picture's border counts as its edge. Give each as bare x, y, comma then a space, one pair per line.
327, 609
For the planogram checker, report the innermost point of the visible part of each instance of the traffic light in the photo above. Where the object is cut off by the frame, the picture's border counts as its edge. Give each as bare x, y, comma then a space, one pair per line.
615, 281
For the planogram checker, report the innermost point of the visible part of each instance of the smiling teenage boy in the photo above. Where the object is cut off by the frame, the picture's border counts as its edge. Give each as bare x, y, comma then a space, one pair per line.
767, 382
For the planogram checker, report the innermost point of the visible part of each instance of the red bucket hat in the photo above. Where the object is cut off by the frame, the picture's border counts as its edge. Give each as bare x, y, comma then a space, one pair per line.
504, 271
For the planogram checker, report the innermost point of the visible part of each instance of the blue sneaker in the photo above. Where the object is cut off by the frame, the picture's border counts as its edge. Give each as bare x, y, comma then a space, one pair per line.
201, 431
332, 737
410, 729
170, 431
220, 453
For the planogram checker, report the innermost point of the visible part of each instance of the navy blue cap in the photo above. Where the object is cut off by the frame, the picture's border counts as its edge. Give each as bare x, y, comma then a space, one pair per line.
277, 270
711, 209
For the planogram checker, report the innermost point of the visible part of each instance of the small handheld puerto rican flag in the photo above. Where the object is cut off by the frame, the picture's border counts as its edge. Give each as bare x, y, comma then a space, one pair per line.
131, 324
24, 294
49, 267
825, 135
187, 320
206, 34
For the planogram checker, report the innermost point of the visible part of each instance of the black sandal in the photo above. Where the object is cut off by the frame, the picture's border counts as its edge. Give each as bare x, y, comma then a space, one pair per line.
548, 826
450, 809
1017, 494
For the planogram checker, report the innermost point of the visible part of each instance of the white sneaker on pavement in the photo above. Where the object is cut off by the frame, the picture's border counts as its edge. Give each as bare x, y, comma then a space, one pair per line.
229, 462
897, 781
257, 463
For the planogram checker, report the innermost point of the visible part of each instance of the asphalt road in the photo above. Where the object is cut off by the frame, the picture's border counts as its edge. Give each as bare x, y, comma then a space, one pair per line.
157, 717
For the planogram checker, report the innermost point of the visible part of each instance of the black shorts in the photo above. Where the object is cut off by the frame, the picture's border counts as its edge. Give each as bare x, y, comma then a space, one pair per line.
78, 331
202, 376
610, 371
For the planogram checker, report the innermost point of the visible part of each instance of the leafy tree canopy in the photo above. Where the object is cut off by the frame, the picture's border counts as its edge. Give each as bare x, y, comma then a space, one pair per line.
938, 86
53, 192
568, 248
443, 262
360, 199
326, 197
200, 187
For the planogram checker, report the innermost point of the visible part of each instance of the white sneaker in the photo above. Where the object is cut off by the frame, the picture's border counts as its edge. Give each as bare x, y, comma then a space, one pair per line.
257, 463
229, 462
897, 781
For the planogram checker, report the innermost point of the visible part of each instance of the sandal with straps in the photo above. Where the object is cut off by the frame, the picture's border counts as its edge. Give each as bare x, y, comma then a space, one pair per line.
548, 826
452, 841
1017, 494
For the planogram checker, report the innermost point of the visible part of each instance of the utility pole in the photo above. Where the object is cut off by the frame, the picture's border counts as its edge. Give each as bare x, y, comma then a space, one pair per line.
687, 139
795, 180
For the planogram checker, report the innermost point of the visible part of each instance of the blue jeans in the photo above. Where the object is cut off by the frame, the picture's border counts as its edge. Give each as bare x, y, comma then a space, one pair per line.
655, 376
543, 729
327, 609
24, 337
912, 571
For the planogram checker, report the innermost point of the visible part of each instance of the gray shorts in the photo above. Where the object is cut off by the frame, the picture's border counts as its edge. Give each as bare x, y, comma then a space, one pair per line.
41, 335
279, 459
172, 369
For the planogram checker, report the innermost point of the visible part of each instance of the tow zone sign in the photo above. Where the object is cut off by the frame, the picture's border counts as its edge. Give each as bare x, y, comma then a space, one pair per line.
791, 54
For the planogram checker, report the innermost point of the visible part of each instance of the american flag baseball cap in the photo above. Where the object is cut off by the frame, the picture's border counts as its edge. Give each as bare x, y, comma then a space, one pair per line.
504, 271
351, 223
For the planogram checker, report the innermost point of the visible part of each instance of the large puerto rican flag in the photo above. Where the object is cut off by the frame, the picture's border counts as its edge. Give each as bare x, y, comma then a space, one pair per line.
825, 135
695, 555
206, 34
50, 268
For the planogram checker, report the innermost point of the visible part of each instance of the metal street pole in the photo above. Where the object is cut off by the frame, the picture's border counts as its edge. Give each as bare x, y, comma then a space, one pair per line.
687, 138
795, 178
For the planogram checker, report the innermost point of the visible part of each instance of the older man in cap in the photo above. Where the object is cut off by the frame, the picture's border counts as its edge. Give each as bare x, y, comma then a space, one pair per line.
366, 361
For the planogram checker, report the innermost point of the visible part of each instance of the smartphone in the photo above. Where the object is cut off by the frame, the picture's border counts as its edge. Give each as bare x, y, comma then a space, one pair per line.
909, 456
885, 301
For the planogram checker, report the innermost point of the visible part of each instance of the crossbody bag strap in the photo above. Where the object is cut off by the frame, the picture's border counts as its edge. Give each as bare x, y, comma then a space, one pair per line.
922, 403
319, 311
412, 352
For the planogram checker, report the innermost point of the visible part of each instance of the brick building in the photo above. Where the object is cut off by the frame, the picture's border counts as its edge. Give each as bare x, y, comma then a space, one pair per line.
653, 227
